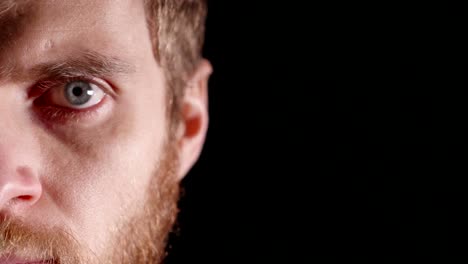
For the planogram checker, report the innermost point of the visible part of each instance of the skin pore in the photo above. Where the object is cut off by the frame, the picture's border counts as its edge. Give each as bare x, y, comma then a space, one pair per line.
95, 182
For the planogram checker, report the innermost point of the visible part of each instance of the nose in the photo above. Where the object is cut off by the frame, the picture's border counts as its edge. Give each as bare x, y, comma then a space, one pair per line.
19, 187
20, 184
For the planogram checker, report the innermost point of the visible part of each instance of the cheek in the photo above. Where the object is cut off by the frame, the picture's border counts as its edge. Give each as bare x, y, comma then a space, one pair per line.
94, 174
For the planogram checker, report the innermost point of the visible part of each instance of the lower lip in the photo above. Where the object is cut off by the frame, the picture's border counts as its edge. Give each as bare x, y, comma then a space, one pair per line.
19, 261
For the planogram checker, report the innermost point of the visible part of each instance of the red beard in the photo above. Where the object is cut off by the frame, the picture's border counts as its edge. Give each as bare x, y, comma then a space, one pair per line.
141, 239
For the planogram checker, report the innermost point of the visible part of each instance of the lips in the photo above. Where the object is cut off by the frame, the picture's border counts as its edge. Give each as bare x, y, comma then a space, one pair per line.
23, 262
15, 260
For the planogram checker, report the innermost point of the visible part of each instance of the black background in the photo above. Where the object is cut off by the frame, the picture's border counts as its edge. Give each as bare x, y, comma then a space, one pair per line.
337, 131
237, 204
274, 181
417, 167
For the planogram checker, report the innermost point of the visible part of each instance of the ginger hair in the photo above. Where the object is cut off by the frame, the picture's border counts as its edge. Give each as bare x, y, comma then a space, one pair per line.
177, 30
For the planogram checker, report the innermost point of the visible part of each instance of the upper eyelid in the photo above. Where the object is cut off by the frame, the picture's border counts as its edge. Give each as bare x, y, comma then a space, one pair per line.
43, 86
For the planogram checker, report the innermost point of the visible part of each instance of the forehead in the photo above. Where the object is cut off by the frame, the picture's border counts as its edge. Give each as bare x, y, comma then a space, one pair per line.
38, 30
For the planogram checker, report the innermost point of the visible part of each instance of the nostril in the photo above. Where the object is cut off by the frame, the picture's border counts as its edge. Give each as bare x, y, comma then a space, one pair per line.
24, 198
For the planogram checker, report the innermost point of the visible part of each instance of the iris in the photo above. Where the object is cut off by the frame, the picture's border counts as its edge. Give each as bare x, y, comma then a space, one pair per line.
78, 92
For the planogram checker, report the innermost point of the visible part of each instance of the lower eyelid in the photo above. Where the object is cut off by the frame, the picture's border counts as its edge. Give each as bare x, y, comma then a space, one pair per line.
59, 115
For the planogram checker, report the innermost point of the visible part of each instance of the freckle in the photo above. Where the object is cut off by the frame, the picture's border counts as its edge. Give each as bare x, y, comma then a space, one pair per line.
48, 44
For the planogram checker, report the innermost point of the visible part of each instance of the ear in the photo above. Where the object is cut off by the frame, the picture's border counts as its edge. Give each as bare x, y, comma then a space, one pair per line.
194, 123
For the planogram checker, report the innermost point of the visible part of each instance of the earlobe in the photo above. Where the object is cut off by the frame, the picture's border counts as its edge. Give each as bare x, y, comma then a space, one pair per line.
195, 118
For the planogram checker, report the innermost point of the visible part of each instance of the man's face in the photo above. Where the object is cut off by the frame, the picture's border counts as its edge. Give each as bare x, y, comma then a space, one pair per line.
87, 168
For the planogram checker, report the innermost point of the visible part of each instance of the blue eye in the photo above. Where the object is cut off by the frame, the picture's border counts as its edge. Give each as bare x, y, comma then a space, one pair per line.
79, 93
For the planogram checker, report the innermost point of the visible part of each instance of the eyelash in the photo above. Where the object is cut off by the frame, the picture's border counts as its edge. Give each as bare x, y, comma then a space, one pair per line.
59, 114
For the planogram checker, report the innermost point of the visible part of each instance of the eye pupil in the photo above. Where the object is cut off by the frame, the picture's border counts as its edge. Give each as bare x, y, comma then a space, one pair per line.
77, 91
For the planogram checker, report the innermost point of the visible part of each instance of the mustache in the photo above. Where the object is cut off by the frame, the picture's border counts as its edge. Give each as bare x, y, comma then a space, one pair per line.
39, 243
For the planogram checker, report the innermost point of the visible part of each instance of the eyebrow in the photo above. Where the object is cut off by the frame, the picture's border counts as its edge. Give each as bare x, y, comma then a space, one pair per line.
88, 64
